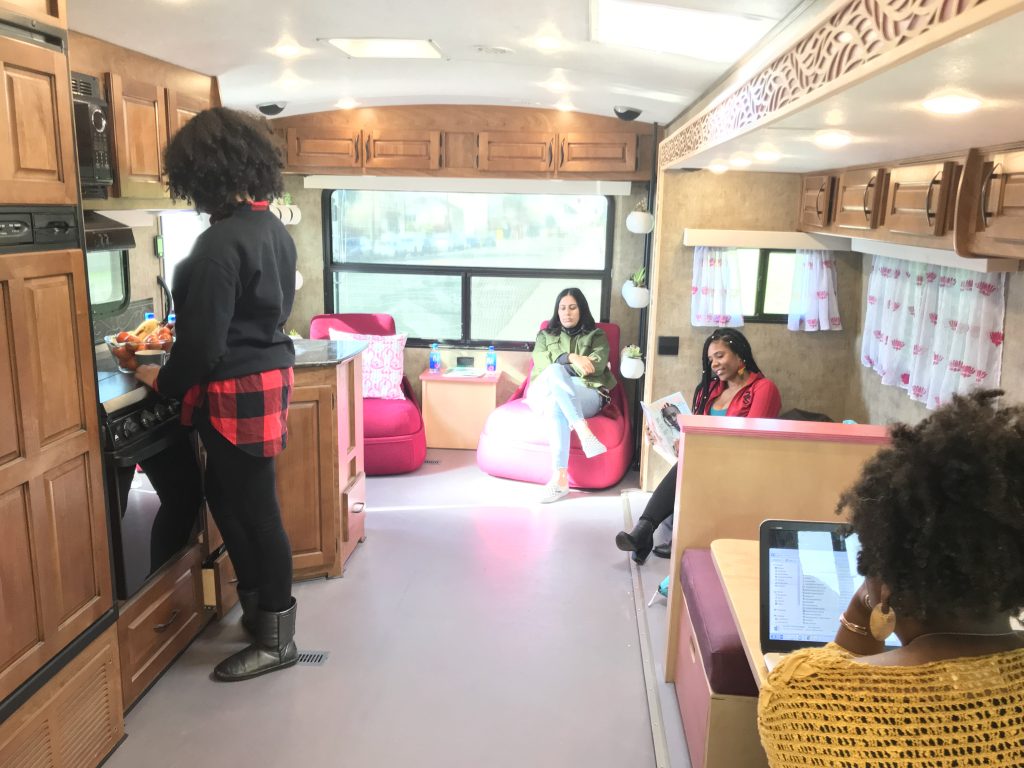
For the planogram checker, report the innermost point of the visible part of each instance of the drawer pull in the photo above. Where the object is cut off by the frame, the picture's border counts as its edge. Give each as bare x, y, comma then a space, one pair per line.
358, 507
166, 625
867, 191
693, 650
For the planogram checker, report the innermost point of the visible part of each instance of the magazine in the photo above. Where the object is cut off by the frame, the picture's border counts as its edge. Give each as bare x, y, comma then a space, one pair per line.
661, 419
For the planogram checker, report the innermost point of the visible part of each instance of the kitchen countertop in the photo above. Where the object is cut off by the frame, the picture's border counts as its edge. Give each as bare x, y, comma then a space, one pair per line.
117, 390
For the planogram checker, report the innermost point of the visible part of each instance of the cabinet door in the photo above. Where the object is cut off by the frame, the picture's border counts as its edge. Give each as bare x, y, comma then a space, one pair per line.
54, 559
919, 198
311, 150
859, 198
597, 152
816, 202
37, 156
140, 135
180, 109
53, 12
307, 480
997, 226
516, 151
409, 150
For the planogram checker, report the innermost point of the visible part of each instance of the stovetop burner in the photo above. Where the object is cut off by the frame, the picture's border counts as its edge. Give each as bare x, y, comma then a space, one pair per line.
139, 422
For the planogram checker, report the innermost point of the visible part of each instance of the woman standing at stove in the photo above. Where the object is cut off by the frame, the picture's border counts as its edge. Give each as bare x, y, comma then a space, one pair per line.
231, 365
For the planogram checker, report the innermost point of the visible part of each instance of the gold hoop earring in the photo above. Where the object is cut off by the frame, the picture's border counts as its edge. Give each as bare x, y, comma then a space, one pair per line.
883, 621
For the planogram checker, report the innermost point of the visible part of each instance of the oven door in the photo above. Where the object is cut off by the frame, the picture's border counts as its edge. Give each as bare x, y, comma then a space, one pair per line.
155, 492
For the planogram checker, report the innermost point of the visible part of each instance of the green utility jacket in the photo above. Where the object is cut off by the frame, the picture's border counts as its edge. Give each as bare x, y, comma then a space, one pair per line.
594, 345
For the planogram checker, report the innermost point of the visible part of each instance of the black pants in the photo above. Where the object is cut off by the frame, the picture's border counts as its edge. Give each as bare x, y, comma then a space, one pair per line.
241, 490
659, 507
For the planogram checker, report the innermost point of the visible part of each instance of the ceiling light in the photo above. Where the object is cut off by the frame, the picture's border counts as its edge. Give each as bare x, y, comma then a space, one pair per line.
832, 139
386, 48
718, 167
767, 155
557, 82
547, 40
288, 49
720, 37
835, 117
346, 103
740, 161
951, 104
565, 105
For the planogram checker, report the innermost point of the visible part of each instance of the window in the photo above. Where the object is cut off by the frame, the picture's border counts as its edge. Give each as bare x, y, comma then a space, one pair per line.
766, 284
465, 268
109, 288
179, 231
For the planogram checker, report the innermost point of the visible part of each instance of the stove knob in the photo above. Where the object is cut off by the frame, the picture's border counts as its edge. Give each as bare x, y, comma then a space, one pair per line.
147, 419
162, 411
174, 405
130, 428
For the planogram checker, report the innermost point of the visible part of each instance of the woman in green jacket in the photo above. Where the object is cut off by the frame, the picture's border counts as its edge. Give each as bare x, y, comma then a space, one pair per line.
569, 383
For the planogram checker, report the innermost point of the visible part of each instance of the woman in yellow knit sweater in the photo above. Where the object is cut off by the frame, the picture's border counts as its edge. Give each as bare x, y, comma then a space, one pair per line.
940, 516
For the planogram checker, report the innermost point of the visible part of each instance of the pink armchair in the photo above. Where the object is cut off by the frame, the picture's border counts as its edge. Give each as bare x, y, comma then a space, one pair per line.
514, 443
394, 439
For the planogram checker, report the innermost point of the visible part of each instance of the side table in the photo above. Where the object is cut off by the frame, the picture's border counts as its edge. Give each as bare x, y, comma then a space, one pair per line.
456, 407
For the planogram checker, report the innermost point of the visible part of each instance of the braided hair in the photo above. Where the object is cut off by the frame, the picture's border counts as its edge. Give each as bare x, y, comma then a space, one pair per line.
940, 512
221, 154
738, 343
586, 323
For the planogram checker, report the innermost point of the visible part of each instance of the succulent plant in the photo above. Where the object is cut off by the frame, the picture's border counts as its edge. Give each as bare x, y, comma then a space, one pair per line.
632, 351
639, 278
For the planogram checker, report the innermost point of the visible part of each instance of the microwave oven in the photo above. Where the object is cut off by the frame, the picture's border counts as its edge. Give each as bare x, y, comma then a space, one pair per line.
92, 135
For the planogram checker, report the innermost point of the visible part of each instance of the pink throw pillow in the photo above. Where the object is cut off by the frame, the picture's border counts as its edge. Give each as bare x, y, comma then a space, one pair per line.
383, 363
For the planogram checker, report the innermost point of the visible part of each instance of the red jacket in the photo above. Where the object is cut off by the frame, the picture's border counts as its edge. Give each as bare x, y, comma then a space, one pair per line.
758, 399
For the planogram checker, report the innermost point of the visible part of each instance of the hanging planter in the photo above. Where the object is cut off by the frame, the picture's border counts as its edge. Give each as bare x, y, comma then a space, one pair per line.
639, 221
635, 291
631, 365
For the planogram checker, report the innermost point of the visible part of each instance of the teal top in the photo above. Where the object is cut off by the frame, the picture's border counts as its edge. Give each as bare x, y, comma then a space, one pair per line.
718, 412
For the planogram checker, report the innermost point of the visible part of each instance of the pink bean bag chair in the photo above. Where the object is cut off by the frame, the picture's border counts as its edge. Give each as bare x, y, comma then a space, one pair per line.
514, 443
394, 441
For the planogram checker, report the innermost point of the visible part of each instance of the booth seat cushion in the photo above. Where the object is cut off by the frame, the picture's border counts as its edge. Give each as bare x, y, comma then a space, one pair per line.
390, 418
517, 422
718, 638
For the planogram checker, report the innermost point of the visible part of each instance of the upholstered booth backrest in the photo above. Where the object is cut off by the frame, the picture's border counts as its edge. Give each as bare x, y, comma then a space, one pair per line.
354, 322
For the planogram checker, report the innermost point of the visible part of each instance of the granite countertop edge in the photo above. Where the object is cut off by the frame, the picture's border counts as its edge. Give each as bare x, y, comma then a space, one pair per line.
314, 352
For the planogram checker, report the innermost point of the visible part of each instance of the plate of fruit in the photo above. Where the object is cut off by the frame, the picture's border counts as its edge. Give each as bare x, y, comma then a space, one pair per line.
146, 345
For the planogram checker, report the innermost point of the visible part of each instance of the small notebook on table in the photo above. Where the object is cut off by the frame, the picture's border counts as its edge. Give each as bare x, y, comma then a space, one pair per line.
464, 373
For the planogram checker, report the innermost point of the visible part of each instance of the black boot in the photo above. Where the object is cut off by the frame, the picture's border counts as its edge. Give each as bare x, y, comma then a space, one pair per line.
638, 541
663, 550
249, 599
274, 648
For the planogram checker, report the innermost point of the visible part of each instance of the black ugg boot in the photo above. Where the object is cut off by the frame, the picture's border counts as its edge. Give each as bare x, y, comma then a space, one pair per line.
274, 648
249, 599
639, 541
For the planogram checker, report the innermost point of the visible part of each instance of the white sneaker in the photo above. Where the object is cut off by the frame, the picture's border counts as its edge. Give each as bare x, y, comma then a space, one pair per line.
590, 444
554, 492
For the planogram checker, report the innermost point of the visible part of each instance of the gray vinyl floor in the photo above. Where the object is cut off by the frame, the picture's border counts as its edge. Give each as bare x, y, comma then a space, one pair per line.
473, 629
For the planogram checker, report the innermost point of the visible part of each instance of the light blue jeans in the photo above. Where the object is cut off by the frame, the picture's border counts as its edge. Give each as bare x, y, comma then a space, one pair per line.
563, 400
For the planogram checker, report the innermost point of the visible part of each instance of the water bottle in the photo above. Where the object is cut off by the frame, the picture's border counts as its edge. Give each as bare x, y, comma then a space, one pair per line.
492, 360
170, 319
150, 316
435, 358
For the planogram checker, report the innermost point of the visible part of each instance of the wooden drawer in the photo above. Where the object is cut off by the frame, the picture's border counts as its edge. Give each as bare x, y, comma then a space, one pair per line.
159, 623
220, 585
353, 516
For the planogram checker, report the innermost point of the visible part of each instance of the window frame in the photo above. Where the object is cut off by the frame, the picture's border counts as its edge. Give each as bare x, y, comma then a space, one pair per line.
760, 316
110, 308
466, 274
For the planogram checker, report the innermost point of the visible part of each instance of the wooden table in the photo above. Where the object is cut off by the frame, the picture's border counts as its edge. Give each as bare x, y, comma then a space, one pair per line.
456, 407
737, 563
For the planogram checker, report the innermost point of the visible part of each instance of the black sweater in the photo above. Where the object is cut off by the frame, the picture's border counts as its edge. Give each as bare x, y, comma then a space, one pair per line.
232, 296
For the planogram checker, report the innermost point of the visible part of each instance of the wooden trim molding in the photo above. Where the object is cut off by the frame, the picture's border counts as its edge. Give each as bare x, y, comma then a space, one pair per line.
833, 56
785, 429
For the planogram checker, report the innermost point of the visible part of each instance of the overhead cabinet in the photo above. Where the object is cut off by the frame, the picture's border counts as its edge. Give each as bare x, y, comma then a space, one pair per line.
859, 199
516, 151
816, 201
990, 210
310, 148
596, 152
140, 136
53, 12
408, 150
920, 198
180, 109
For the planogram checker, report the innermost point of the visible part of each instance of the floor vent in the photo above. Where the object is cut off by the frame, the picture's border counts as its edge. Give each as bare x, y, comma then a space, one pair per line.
313, 658
431, 461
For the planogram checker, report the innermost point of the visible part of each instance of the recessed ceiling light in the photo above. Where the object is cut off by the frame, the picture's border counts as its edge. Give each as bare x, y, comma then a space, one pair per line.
386, 48
832, 139
287, 49
740, 161
720, 37
767, 155
547, 40
565, 105
835, 117
951, 104
718, 167
557, 82
346, 103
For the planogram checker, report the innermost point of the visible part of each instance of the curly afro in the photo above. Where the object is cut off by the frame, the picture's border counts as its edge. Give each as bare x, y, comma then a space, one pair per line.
222, 154
940, 513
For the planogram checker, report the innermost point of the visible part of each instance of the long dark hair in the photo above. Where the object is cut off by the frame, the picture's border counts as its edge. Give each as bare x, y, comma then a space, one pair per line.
586, 323
738, 343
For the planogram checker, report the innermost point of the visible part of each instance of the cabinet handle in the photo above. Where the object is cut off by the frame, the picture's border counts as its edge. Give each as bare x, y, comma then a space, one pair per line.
367, 155
358, 142
867, 189
561, 156
986, 190
164, 627
551, 153
358, 507
817, 203
929, 216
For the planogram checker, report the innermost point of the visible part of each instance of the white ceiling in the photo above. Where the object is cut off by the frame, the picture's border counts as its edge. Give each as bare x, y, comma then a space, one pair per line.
884, 112
231, 40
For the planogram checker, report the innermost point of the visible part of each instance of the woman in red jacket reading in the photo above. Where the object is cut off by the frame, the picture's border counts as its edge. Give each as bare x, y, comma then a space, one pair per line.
732, 385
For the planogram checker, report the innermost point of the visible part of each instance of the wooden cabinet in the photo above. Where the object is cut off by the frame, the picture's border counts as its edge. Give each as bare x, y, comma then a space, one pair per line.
919, 198
473, 399
411, 150
159, 622
140, 135
859, 199
990, 205
515, 151
53, 12
816, 202
312, 149
180, 109
596, 152
37, 155
54, 560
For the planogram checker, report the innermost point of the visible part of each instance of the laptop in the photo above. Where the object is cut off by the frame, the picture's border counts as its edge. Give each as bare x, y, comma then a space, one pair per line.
808, 576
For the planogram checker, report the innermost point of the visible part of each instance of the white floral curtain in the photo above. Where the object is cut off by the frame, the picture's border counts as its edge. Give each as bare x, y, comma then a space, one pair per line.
934, 331
813, 305
715, 292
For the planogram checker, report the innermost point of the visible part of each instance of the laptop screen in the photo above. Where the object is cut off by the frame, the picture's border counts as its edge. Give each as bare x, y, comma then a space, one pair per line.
808, 576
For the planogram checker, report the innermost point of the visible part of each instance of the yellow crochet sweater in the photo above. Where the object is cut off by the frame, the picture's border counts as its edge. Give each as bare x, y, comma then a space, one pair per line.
821, 707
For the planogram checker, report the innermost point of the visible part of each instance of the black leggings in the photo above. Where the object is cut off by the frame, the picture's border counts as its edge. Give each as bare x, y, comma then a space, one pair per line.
242, 494
662, 502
